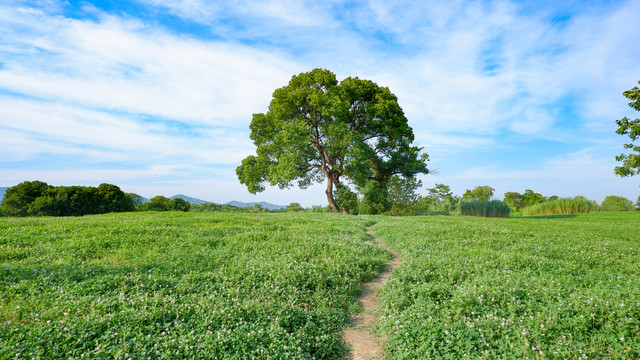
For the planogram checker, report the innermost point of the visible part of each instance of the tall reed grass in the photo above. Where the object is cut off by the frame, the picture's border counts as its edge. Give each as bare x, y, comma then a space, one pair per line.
494, 208
561, 206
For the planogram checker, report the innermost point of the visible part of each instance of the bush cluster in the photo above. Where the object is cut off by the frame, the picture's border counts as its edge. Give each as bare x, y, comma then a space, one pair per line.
37, 198
162, 203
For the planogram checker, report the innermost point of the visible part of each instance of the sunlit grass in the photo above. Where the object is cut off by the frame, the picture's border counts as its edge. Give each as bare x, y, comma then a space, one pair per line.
564, 287
193, 285
180, 285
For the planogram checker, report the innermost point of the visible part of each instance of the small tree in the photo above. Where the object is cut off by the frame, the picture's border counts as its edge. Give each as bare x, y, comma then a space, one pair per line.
630, 162
294, 207
157, 203
514, 200
402, 194
480, 193
616, 203
375, 200
517, 201
180, 204
112, 199
439, 198
440, 192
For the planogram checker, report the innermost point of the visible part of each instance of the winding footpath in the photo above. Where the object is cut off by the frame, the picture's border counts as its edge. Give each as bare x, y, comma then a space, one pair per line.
364, 344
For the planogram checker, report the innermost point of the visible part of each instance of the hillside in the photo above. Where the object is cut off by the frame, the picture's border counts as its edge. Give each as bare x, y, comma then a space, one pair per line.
189, 199
265, 205
2, 191
196, 201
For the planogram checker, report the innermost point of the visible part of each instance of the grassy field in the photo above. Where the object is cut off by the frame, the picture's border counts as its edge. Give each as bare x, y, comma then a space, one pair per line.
180, 285
558, 287
221, 285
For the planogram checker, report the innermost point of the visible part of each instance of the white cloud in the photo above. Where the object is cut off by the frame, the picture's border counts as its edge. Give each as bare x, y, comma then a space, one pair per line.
123, 65
36, 127
288, 12
538, 66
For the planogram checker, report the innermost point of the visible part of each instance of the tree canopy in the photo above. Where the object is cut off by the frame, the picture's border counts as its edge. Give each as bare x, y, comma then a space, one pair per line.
519, 201
630, 162
616, 203
163, 203
349, 133
480, 193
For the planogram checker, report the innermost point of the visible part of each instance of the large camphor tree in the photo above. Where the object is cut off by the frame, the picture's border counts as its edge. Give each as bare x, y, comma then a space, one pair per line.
349, 133
630, 162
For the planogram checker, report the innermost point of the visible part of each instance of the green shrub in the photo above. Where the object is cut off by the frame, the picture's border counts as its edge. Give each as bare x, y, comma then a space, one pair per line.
494, 208
617, 203
561, 206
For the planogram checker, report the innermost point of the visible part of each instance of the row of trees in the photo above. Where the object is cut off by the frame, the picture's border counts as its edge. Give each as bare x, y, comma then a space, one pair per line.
37, 198
404, 200
256, 208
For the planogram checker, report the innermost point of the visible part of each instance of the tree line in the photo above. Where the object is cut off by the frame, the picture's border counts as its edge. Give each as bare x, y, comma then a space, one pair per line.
440, 200
37, 198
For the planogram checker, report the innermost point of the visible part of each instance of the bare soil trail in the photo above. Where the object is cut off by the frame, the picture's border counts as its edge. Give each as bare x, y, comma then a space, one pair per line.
364, 344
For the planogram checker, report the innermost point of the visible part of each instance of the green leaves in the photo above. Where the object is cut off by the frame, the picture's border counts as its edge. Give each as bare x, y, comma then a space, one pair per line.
317, 128
480, 193
252, 173
630, 162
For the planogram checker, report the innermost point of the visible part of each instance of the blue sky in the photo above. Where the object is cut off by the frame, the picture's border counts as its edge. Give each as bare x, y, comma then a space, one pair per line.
156, 96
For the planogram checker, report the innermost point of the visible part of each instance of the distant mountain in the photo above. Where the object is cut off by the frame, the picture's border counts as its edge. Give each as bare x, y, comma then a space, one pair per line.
189, 199
265, 205
143, 199
2, 191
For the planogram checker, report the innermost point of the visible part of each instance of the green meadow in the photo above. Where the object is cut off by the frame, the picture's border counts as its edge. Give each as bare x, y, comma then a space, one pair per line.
271, 286
556, 287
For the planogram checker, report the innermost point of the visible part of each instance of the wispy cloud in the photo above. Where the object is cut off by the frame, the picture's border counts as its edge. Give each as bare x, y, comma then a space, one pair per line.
130, 92
121, 64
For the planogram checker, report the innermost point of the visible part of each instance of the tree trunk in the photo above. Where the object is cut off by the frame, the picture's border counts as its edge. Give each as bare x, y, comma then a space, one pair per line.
329, 193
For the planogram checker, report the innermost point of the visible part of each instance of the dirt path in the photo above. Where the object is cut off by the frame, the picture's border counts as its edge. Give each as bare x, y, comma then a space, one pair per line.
365, 345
